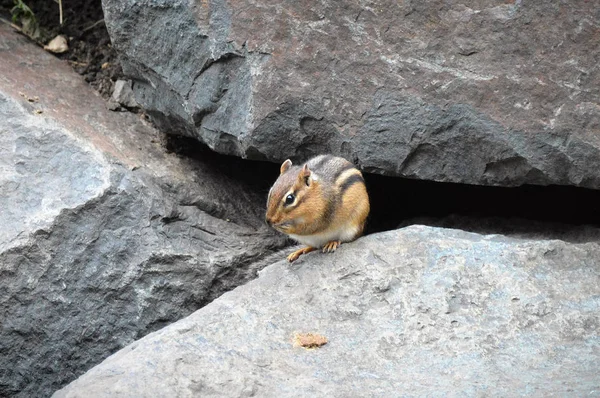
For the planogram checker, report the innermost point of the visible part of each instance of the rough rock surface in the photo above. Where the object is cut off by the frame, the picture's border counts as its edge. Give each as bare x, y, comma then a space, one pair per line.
104, 236
490, 93
418, 311
123, 94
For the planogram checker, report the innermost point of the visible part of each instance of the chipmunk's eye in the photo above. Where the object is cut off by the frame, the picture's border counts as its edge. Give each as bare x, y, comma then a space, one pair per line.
289, 199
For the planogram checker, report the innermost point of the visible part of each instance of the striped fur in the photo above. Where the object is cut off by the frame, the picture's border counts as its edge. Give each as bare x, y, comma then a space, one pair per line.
330, 203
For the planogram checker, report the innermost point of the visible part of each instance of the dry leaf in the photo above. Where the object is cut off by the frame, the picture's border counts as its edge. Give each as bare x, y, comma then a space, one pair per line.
57, 45
309, 340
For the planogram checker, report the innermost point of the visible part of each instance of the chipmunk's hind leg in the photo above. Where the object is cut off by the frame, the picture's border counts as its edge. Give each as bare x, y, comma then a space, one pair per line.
294, 256
330, 247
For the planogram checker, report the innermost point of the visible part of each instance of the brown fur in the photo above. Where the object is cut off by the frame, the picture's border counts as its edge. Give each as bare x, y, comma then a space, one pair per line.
354, 206
330, 195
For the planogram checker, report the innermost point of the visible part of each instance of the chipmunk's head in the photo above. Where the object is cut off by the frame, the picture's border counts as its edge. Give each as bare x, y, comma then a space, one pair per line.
295, 200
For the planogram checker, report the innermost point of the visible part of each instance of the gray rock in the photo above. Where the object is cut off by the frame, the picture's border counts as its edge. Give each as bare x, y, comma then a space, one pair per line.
514, 227
420, 311
493, 94
123, 94
104, 236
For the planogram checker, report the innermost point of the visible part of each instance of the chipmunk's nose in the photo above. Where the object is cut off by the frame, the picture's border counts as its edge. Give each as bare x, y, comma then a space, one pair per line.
268, 221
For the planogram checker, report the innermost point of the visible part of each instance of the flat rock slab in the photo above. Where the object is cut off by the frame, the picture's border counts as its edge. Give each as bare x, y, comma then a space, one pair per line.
419, 311
491, 94
104, 236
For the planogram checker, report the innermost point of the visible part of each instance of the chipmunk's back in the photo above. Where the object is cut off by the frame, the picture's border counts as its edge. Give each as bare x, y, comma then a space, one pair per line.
328, 166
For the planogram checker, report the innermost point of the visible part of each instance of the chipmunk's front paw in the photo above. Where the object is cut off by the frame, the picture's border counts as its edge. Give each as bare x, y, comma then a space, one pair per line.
330, 247
294, 256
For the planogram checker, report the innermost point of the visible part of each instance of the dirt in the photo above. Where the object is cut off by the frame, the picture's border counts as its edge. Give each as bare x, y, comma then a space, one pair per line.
90, 51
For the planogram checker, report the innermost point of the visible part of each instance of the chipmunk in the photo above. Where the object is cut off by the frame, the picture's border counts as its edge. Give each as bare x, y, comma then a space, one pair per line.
320, 204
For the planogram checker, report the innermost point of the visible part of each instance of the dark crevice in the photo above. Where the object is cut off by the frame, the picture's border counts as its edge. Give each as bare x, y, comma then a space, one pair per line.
256, 174
397, 202
527, 209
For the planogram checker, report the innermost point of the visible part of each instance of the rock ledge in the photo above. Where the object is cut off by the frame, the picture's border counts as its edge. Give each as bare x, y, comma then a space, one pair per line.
417, 311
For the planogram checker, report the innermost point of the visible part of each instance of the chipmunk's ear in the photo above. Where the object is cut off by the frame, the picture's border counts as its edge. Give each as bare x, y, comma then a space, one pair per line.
306, 176
285, 166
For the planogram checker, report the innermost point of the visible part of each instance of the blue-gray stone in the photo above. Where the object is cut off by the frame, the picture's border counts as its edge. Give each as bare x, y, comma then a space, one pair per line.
419, 311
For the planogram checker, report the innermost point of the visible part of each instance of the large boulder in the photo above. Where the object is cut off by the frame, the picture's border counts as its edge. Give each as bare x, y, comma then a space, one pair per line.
419, 311
493, 94
104, 235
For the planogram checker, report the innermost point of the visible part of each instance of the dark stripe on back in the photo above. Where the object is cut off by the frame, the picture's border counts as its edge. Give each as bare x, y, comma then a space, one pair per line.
339, 172
353, 179
330, 209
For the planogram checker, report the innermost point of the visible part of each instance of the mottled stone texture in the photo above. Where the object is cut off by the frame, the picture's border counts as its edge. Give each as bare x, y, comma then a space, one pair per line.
479, 92
104, 236
419, 311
